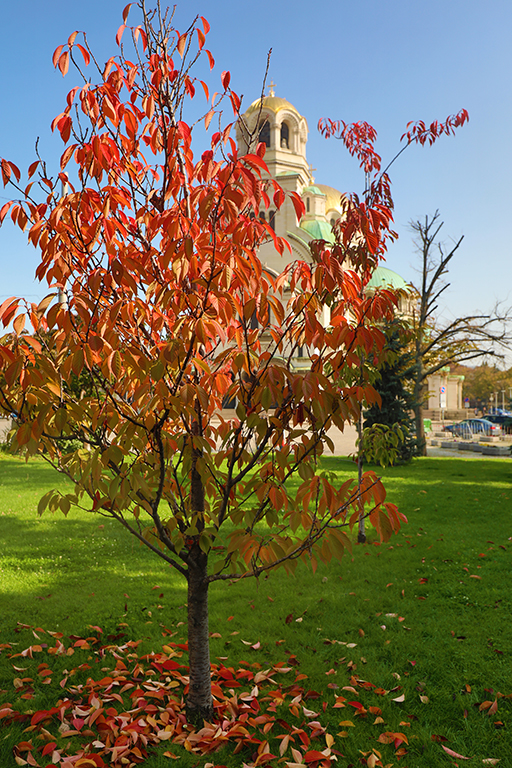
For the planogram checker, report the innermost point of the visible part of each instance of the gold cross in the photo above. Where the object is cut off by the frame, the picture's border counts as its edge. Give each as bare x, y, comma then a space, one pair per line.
271, 88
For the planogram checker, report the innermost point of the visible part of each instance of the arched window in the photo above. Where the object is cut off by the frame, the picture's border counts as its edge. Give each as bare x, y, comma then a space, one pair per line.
307, 204
332, 222
264, 134
285, 136
262, 215
272, 219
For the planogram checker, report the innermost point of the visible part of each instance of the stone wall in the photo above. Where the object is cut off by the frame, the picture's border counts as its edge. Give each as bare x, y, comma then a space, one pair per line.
5, 425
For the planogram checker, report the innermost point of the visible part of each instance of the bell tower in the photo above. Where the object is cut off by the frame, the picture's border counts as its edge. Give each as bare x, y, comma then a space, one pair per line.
276, 123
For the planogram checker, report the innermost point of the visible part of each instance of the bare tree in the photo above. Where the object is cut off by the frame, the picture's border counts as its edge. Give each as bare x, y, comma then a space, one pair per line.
435, 344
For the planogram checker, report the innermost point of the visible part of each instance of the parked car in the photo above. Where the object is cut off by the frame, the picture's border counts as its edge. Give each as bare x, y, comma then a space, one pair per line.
470, 427
499, 418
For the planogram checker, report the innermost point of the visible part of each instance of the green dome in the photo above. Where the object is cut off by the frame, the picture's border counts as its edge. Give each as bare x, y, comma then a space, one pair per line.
383, 277
319, 230
313, 190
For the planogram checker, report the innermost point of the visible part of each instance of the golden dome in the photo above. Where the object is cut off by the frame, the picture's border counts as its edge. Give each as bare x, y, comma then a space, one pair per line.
333, 196
273, 103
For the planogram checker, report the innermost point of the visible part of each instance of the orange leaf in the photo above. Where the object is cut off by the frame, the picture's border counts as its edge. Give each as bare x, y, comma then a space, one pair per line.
181, 45
120, 33
56, 55
63, 63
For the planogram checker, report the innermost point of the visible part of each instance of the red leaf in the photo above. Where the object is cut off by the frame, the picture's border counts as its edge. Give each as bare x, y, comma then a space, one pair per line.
253, 160
6, 171
32, 168
206, 26
85, 54
49, 748
225, 78
126, 11
184, 130
454, 754
298, 204
210, 59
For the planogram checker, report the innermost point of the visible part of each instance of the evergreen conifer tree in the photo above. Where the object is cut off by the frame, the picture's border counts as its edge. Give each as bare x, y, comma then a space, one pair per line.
392, 385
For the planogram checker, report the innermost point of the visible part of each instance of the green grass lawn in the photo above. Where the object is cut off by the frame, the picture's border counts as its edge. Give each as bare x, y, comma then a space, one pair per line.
425, 617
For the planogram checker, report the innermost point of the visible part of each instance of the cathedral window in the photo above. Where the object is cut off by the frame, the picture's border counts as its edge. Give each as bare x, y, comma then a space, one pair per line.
307, 204
285, 136
264, 134
272, 219
262, 215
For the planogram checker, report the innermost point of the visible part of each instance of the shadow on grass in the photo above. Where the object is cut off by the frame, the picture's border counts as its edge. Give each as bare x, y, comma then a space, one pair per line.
72, 573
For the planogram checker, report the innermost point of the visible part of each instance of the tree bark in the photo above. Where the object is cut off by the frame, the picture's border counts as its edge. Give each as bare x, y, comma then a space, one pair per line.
419, 397
199, 699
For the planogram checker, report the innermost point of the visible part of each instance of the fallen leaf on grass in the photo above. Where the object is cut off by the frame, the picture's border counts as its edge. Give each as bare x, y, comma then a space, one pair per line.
438, 738
491, 760
399, 699
454, 754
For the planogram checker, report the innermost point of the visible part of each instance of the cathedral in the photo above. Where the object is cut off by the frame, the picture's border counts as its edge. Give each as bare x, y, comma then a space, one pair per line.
279, 125
284, 131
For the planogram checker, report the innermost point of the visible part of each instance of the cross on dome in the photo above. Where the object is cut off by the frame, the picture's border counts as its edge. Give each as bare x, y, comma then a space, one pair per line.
271, 87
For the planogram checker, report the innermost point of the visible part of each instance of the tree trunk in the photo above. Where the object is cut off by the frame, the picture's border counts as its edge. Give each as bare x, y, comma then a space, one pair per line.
199, 699
361, 533
419, 397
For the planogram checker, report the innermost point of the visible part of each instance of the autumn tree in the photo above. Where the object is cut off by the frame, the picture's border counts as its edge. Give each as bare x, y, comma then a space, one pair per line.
481, 382
436, 343
165, 310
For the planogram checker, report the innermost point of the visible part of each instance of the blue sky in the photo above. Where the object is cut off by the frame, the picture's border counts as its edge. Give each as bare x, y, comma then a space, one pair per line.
383, 62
